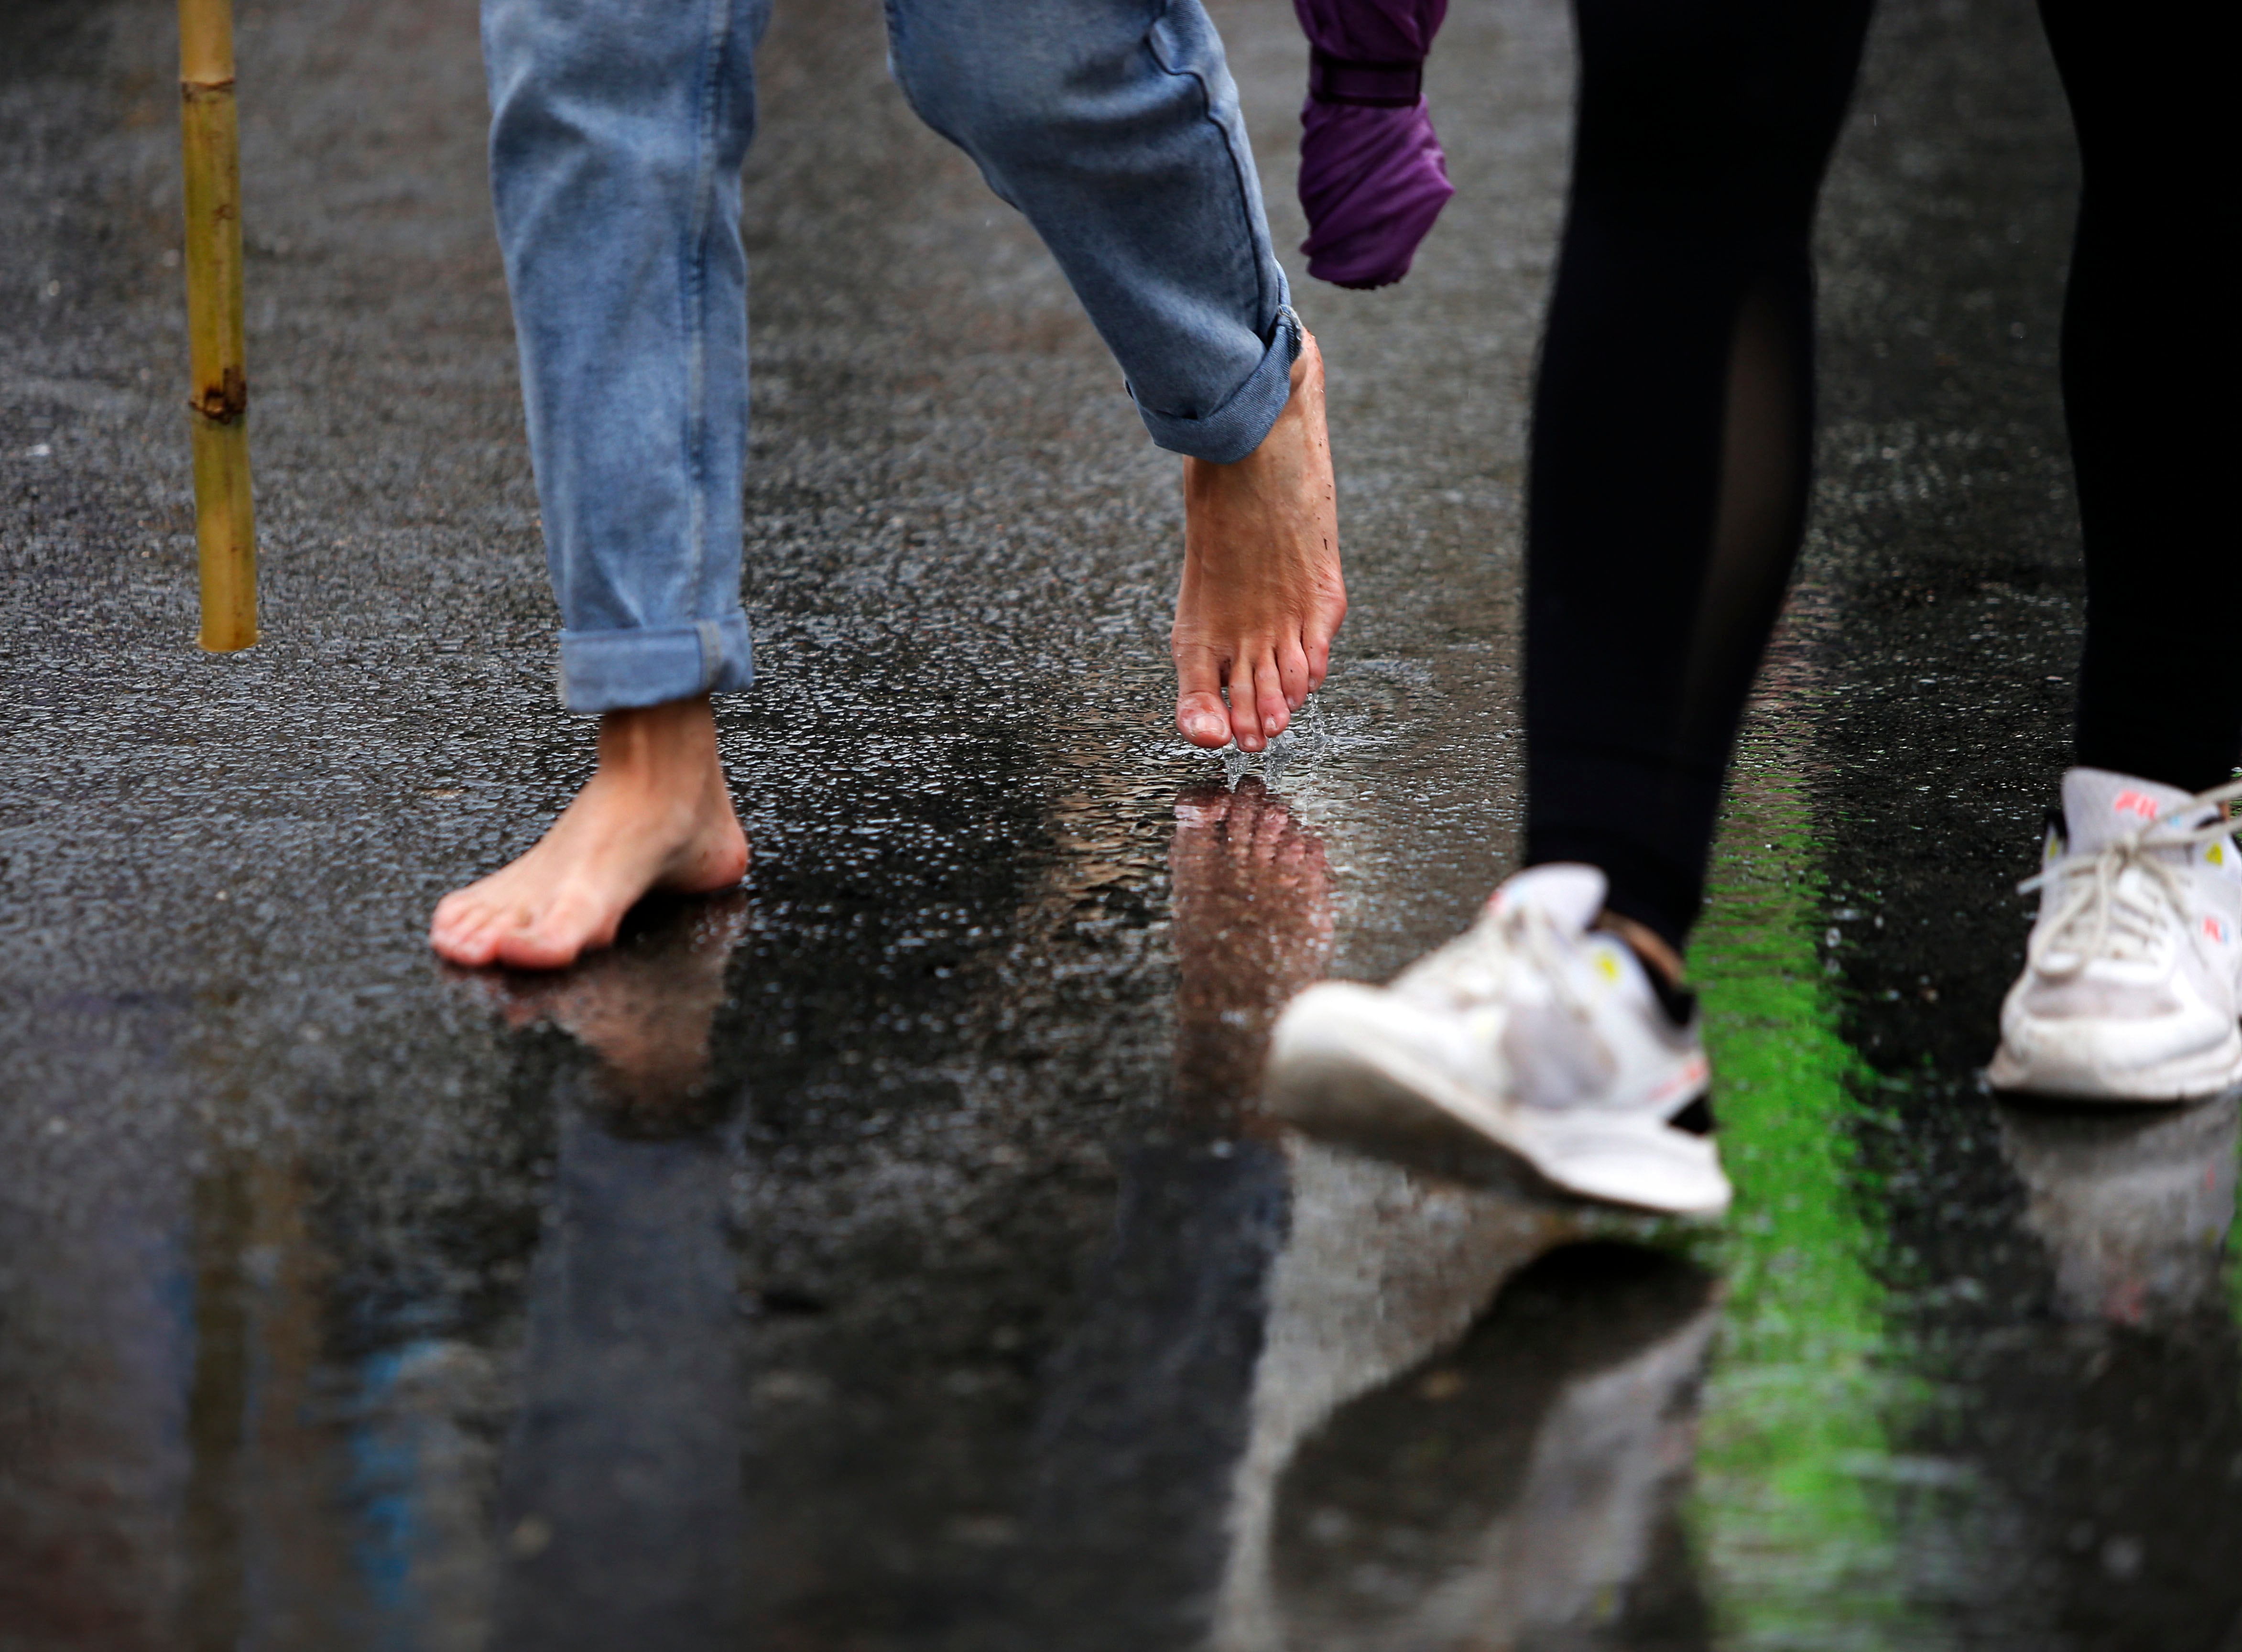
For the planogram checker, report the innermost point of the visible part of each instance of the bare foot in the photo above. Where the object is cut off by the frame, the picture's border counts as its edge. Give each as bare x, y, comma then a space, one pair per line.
1262, 596
657, 815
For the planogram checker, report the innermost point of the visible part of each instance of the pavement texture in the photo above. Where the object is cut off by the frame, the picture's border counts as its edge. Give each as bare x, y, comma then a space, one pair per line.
888, 1255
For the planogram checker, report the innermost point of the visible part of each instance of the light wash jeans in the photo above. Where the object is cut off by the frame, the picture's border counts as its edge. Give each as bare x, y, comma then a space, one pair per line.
618, 130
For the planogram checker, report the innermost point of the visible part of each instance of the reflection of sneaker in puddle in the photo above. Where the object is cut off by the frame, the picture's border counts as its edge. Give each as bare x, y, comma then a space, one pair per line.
1532, 1039
1524, 1488
2129, 988
2134, 1209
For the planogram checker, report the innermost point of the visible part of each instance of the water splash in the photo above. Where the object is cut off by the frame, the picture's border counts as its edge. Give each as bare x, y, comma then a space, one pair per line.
1306, 739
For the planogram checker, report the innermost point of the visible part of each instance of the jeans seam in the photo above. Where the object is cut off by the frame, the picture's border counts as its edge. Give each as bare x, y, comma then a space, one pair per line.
893, 14
696, 288
1229, 148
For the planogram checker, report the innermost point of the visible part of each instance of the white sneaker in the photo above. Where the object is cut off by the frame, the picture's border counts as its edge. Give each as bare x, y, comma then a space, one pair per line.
1530, 1034
2130, 986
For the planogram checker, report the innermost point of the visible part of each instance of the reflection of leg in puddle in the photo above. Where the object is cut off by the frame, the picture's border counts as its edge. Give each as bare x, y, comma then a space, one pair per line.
2134, 1209
1144, 1409
2105, 1439
621, 1510
1523, 1488
645, 1007
1252, 927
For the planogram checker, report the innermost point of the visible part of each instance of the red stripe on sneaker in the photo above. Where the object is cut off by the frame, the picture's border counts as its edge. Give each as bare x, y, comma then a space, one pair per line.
1692, 1076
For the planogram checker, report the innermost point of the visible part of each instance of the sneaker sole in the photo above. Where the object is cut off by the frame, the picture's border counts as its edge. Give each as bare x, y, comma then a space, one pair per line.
2193, 1078
1345, 1081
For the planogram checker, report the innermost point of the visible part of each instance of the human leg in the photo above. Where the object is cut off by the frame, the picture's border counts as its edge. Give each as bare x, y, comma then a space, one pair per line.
617, 135
1672, 426
1114, 126
2133, 973
2152, 426
1672, 431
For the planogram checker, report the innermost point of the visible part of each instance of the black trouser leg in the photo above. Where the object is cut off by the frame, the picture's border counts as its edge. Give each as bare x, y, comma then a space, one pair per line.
1672, 423
2149, 369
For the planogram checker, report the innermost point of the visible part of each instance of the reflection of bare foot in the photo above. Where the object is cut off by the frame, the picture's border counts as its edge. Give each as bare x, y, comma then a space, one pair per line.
644, 1008
1252, 927
1262, 596
657, 815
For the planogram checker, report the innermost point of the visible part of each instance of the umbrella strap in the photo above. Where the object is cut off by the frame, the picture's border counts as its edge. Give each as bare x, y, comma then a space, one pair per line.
1373, 85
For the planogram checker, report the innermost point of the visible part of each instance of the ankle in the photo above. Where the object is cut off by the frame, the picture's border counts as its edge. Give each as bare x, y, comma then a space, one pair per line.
1303, 405
659, 745
1646, 943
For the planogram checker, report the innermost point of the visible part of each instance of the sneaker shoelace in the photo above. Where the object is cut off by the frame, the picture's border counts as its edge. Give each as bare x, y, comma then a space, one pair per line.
2116, 922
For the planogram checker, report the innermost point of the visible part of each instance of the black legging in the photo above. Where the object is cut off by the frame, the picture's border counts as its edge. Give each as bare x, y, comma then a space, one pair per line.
1672, 420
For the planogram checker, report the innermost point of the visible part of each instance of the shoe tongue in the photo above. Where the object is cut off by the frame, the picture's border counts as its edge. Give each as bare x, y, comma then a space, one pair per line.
2099, 806
1569, 894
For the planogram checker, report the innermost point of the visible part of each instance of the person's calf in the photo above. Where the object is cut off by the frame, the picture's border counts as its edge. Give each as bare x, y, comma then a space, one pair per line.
1262, 593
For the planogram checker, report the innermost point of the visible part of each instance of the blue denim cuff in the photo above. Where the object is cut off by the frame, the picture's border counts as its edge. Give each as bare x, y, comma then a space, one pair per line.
651, 665
1236, 428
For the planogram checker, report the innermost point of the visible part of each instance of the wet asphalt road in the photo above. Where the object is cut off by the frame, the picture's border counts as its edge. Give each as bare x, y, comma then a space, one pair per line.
888, 1257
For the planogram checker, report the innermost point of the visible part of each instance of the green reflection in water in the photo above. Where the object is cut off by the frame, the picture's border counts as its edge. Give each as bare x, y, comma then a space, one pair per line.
1789, 1520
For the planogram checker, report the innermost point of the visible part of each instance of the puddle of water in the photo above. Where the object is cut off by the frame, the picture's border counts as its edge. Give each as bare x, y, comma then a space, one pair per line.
1305, 740
2234, 1277
1799, 1415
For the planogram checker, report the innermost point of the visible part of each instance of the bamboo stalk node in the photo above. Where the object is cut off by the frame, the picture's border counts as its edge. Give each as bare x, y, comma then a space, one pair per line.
225, 401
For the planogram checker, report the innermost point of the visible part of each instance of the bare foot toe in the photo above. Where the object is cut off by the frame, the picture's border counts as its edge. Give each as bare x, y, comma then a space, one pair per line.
1269, 700
1293, 673
1201, 717
465, 928
1262, 593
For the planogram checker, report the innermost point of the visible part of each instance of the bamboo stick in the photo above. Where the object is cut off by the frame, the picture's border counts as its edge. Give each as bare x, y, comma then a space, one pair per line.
225, 529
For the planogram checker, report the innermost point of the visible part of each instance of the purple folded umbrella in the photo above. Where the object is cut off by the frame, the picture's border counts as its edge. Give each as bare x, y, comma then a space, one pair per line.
1373, 177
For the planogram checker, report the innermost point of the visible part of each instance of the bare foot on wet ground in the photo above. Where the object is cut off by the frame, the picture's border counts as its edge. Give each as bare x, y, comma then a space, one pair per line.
656, 815
1262, 596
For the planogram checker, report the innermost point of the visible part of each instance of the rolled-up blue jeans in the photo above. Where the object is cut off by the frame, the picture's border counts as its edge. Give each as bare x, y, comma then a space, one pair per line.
618, 131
